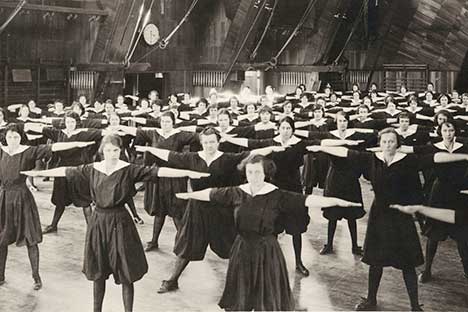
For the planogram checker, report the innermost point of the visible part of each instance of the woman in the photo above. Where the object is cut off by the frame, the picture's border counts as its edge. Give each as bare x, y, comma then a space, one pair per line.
391, 237
112, 244
203, 224
19, 217
61, 197
257, 276
287, 177
159, 200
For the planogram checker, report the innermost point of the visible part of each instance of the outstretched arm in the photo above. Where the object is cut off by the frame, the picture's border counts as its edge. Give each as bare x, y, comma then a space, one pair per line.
181, 173
315, 201
56, 172
128, 130
443, 157
62, 146
335, 142
158, 152
203, 195
445, 215
268, 150
337, 151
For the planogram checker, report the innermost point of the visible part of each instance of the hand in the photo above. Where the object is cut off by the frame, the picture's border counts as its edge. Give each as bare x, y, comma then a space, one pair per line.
410, 209
141, 148
345, 203
197, 175
31, 173
354, 142
225, 137
313, 148
84, 144
184, 196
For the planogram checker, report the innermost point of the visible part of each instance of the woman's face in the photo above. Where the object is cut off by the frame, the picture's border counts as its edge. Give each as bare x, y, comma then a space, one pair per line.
299, 91
250, 109
367, 101
287, 108
13, 139
404, 123
413, 103
403, 89
373, 87
111, 152
429, 96
356, 96
213, 112
388, 143
166, 123
58, 106
156, 108
109, 108
114, 120
455, 95
254, 173
209, 143
355, 88
448, 132
441, 118
173, 99
144, 104
120, 100
341, 123
82, 100
430, 87
333, 98
444, 101
202, 106
24, 111
32, 104
391, 106
234, 103
77, 109
98, 106
318, 114
465, 99
363, 112
70, 123
265, 117
268, 90
285, 130
223, 120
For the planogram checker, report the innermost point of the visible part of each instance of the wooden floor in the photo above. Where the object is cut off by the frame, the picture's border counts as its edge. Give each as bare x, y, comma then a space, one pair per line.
336, 281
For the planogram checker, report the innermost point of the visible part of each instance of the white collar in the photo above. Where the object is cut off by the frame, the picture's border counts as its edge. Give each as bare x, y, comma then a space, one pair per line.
411, 130
173, 131
101, 166
417, 109
76, 131
20, 149
395, 112
267, 188
348, 133
396, 158
441, 145
320, 122
227, 130
292, 140
267, 126
216, 156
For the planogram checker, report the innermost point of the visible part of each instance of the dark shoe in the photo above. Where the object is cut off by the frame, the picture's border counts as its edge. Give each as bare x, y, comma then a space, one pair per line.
417, 308
357, 251
151, 246
49, 229
167, 286
327, 249
37, 283
425, 277
365, 305
300, 268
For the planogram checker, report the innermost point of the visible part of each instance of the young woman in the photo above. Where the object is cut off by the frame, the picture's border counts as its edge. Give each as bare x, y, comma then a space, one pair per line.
203, 224
19, 217
257, 277
112, 244
391, 237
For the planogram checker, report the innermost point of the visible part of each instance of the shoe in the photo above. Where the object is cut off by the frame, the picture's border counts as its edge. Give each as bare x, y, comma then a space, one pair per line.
365, 305
425, 277
49, 229
37, 283
138, 220
300, 268
167, 286
327, 249
417, 308
151, 246
357, 251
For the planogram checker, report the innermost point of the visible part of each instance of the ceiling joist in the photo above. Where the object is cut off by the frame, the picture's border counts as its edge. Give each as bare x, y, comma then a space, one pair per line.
55, 9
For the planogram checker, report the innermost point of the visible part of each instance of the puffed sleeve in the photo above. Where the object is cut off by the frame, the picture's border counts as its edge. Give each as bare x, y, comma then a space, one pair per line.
51, 133
78, 182
253, 144
41, 151
294, 213
423, 161
182, 160
143, 173
424, 149
224, 196
144, 136
361, 161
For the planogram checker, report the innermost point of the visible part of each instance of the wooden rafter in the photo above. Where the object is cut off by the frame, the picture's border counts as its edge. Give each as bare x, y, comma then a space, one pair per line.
55, 9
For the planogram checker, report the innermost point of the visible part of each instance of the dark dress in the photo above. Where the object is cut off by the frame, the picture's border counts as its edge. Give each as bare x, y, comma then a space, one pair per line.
61, 195
449, 180
19, 217
391, 237
257, 276
159, 199
343, 182
203, 223
112, 244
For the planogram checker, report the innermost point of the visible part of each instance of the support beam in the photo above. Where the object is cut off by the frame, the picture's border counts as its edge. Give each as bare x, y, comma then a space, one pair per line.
263, 66
55, 9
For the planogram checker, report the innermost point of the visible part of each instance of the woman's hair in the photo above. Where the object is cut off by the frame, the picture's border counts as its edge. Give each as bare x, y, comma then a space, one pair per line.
72, 114
442, 112
224, 111
404, 115
112, 114
249, 104
170, 115
18, 128
319, 107
390, 130
289, 120
78, 104
363, 106
413, 98
389, 99
113, 139
265, 109
209, 131
202, 100
342, 113
444, 95
21, 107
269, 167
448, 123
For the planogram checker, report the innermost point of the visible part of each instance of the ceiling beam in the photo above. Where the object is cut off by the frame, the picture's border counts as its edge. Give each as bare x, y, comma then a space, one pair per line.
55, 9
264, 66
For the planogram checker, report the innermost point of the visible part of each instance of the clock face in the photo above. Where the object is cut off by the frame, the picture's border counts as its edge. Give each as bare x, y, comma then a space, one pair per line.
151, 34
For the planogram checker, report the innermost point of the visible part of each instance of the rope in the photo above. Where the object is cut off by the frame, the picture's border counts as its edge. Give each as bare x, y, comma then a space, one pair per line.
12, 15
265, 30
